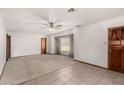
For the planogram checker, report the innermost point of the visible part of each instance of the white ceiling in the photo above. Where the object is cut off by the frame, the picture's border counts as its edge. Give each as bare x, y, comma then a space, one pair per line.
31, 19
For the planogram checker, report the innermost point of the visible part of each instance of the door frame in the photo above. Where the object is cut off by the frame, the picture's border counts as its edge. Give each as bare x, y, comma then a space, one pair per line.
109, 64
45, 45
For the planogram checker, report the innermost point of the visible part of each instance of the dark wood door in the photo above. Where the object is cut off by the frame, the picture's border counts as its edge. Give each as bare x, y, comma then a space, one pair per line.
115, 59
116, 49
43, 45
8, 47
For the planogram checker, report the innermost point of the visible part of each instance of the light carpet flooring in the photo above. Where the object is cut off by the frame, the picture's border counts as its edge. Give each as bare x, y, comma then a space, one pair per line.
22, 69
57, 70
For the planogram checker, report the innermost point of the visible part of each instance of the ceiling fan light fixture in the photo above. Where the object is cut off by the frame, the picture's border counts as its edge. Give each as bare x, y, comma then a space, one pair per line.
51, 29
51, 25
58, 26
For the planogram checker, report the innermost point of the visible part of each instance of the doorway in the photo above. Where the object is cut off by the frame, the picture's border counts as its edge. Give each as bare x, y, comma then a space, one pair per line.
8, 47
43, 45
64, 45
116, 49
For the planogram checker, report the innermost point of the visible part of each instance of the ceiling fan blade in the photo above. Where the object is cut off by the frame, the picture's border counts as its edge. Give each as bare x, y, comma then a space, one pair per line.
67, 21
39, 24
45, 24
44, 21
78, 25
44, 27
33, 20
68, 26
58, 26
34, 23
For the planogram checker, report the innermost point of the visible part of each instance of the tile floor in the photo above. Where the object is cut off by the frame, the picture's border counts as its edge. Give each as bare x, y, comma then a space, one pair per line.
21, 69
56, 70
79, 74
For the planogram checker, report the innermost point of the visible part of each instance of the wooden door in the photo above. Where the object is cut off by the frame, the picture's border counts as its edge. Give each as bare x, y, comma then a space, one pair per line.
116, 49
43, 45
115, 59
8, 47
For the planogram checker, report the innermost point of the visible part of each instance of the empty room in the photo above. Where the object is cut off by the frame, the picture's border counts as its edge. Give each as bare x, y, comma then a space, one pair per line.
61, 46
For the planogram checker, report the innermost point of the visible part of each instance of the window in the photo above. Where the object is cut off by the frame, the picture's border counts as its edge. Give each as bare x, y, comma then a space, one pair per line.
65, 46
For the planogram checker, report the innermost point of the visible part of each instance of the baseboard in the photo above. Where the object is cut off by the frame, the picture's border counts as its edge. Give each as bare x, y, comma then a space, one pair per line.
25, 55
90, 64
51, 53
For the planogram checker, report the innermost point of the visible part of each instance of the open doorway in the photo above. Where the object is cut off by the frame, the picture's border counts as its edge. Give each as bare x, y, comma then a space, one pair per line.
64, 45
8, 47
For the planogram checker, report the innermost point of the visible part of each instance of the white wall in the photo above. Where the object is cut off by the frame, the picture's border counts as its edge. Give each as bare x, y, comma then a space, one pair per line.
2, 46
91, 42
50, 44
25, 44
90, 45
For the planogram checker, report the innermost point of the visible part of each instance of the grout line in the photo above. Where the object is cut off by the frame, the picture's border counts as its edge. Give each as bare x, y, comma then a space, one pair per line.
52, 72
102, 76
44, 75
55, 71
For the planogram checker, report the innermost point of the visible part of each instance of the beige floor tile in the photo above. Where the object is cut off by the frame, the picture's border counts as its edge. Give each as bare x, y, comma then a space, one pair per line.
30, 67
74, 82
38, 81
57, 82
119, 80
57, 70
90, 82
105, 82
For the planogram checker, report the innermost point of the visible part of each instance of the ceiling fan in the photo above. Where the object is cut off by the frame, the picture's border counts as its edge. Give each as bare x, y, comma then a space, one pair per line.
53, 24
